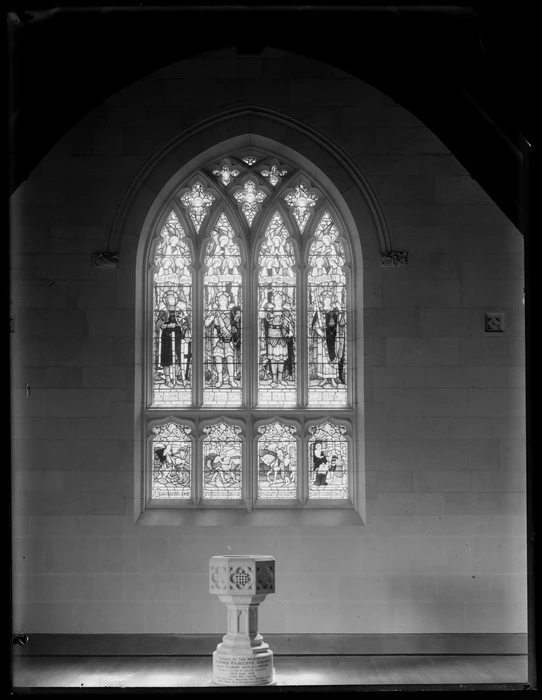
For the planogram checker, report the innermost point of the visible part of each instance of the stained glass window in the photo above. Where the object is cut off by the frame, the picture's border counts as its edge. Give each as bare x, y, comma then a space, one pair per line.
222, 462
277, 373
172, 462
326, 305
300, 201
250, 198
198, 202
222, 318
172, 304
277, 462
274, 174
328, 462
249, 319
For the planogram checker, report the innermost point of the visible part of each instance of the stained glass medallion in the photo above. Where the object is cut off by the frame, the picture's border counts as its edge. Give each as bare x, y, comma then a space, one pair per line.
222, 316
274, 174
172, 462
277, 373
326, 303
277, 462
226, 175
198, 202
222, 462
328, 462
301, 200
250, 199
172, 308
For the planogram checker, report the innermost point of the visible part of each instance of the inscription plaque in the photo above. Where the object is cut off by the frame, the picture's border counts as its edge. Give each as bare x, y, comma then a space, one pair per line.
243, 670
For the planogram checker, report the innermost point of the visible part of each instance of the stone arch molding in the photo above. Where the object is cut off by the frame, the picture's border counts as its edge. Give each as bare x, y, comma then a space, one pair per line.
259, 127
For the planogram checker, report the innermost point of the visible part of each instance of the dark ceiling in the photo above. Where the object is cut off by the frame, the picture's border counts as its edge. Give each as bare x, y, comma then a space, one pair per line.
466, 72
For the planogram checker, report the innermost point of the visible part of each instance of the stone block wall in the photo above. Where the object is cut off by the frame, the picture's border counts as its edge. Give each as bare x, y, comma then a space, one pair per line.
443, 549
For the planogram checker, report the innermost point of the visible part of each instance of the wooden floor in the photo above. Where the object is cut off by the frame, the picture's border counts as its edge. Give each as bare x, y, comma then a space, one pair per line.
193, 672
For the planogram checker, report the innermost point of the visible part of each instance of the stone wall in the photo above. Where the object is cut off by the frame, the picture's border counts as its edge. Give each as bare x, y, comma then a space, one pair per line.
443, 549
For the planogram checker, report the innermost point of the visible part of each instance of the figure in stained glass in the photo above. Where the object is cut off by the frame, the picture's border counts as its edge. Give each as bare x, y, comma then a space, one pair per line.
172, 457
172, 294
328, 460
222, 462
328, 346
319, 464
279, 328
327, 316
223, 322
277, 468
222, 317
276, 303
173, 323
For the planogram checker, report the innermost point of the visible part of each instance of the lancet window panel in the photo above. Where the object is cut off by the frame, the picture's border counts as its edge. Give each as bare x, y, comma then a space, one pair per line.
222, 318
172, 317
277, 309
327, 317
249, 289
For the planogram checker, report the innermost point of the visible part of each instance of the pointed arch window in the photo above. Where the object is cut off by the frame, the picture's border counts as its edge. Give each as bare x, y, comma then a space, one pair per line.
249, 393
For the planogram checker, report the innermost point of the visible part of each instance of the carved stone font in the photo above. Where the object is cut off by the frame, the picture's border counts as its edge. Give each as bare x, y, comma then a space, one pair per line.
242, 582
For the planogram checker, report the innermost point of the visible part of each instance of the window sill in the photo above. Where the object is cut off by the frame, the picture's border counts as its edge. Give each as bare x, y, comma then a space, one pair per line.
222, 517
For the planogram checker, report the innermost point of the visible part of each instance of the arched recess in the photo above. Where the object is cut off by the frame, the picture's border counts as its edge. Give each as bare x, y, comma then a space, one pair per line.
243, 129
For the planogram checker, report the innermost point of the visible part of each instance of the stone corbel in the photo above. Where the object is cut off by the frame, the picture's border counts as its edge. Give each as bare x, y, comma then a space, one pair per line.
104, 259
394, 258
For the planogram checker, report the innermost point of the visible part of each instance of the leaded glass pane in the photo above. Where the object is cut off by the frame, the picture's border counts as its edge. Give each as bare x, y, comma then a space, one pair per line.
198, 203
277, 462
249, 198
301, 200
222, 462
327, 317
328, 462
222, 309
172, 305
277, 374
172, 462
